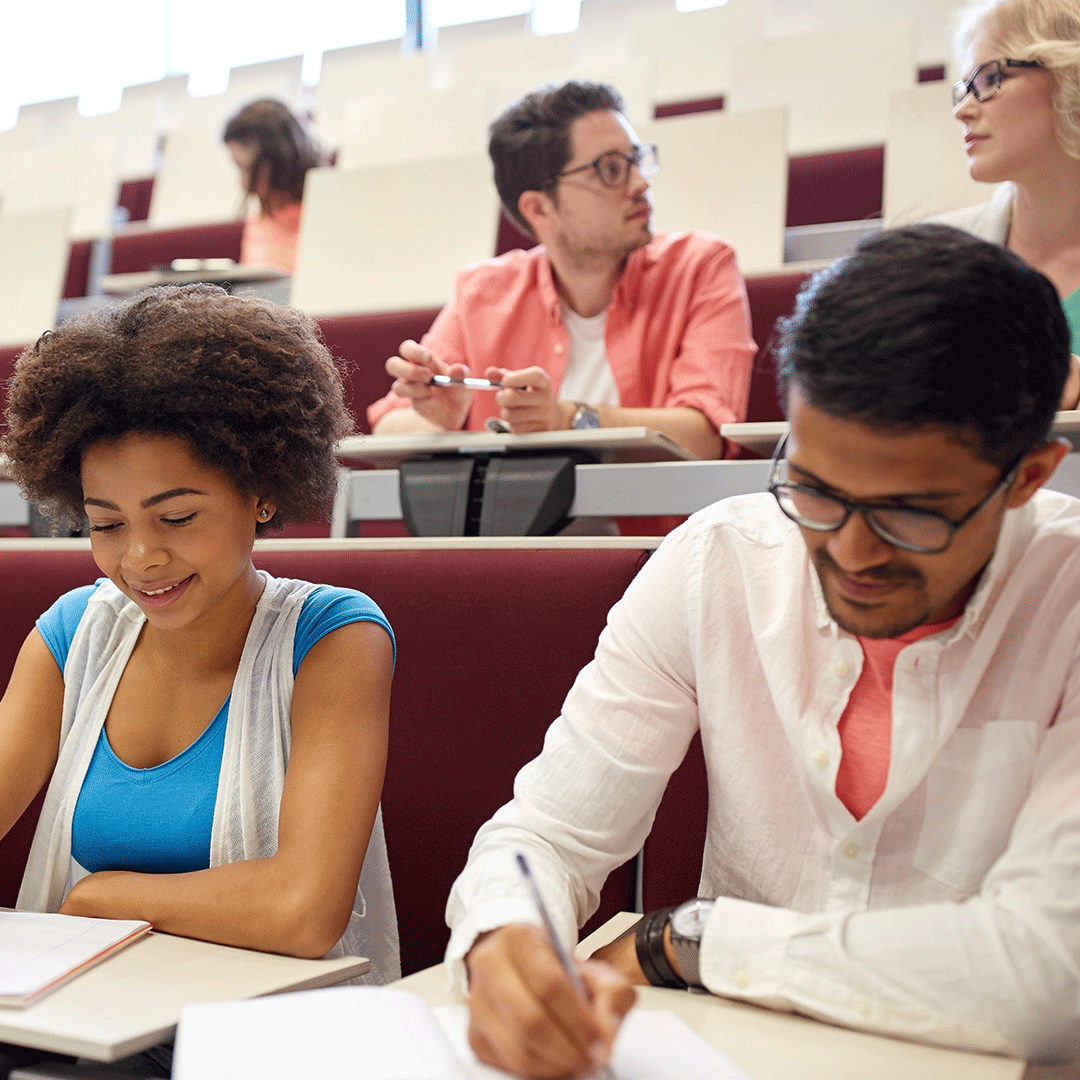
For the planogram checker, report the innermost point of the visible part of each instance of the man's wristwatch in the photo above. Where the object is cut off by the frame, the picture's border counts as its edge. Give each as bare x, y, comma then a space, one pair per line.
687, 926
585, 417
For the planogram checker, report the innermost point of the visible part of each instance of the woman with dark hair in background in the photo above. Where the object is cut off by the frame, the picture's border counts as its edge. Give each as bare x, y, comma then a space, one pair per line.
273, 151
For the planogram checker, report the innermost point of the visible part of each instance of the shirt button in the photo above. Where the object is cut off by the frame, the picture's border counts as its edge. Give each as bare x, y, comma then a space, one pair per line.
841, 667
741, 979
559, 350
820, 758
863, 1007
849, 851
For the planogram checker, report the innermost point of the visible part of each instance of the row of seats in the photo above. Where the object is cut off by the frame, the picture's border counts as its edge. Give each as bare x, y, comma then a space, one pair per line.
843, 186
671, 57
444, 778
391, 238
392, 110
363, 342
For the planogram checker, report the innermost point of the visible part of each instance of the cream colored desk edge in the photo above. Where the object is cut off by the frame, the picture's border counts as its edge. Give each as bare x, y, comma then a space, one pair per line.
762, 436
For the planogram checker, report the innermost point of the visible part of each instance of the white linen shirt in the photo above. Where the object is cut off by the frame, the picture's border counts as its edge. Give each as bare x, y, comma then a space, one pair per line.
951, 911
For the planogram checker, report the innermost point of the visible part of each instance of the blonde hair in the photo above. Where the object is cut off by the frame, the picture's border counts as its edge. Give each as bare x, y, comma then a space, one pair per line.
1043, 30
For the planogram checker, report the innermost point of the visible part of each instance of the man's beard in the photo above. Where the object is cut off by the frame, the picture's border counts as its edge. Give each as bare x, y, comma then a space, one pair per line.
899, 574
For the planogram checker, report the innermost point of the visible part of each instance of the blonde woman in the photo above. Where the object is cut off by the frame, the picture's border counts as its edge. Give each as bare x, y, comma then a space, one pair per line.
1018, 100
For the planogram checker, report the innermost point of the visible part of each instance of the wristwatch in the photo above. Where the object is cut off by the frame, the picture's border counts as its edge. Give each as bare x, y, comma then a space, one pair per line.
585, 418
687, 926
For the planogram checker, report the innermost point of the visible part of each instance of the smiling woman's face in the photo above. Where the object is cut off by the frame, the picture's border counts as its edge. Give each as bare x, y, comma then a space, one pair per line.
171, 533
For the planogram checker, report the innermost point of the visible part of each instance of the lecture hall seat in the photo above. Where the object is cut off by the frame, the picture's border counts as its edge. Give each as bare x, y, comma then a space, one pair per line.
135, 251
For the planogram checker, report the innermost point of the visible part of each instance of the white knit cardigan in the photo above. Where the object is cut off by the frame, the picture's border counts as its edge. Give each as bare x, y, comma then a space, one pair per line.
256, 754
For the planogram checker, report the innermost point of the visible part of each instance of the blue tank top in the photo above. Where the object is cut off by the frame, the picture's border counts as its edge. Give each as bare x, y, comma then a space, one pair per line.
158, 820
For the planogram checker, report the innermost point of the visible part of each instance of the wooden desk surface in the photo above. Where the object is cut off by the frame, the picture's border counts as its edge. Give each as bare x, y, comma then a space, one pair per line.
133, 1000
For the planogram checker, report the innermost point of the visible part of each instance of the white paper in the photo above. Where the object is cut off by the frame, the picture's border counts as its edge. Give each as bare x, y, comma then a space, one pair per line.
651, 1045
378, 1033
38, 950
367, 1032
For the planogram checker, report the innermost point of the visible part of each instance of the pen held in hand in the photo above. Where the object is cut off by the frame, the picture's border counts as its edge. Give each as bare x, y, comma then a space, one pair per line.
468, 383
603, 1073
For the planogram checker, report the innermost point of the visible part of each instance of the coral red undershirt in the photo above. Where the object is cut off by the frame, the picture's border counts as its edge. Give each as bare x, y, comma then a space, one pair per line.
866, 726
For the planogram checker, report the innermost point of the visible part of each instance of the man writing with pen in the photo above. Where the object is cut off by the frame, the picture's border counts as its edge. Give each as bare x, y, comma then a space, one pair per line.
882, 656
603, 325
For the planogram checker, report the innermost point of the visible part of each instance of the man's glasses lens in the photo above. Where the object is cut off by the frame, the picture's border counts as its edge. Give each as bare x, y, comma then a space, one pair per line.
914, 530
614, 168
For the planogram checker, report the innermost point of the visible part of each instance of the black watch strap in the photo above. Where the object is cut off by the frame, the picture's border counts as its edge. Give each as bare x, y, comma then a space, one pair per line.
649, 944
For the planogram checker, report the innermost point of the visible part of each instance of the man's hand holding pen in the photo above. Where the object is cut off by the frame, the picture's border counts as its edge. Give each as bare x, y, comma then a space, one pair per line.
525, 1015
528, 400
446, 407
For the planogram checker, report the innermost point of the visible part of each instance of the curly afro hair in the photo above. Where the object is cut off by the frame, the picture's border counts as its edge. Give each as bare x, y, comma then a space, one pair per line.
248, 384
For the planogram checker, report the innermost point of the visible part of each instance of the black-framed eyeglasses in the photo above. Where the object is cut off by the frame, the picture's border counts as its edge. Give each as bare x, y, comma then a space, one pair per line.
987, 78
924, 532
613, 167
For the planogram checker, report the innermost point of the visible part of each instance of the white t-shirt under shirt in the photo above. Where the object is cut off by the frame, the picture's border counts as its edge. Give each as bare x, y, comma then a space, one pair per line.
588, 377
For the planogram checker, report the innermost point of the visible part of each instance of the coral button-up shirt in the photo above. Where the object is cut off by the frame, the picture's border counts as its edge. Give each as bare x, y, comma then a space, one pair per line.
677, 334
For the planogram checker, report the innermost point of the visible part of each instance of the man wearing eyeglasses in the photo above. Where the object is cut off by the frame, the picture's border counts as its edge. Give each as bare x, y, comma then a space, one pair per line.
880, 654
603, 325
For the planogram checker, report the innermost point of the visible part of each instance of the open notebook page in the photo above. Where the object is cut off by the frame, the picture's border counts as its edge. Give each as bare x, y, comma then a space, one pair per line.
40, 951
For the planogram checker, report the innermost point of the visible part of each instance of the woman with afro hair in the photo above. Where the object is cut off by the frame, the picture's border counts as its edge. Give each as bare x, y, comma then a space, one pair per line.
214, 738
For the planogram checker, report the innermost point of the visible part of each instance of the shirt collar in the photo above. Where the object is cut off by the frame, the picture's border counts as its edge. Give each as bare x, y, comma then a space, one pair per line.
627, 289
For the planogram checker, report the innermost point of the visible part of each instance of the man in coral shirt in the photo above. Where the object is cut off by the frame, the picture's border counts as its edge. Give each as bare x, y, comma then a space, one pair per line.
880, 654
604, 325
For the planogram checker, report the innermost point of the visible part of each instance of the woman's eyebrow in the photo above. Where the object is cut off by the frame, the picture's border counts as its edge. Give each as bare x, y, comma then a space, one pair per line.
172, 493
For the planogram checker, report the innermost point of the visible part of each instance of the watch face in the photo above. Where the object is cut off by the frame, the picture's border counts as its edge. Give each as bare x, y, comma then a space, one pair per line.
586, 418
689, 920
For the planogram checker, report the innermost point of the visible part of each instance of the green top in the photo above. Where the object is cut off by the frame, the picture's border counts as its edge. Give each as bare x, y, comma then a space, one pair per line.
1071, 304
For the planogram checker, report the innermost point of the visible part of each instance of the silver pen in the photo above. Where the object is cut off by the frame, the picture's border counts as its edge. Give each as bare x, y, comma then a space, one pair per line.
468, 382
601, 1072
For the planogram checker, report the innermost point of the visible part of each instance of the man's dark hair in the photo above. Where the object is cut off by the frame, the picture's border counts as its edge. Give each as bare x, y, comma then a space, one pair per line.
927, 325
284, 150
529, 142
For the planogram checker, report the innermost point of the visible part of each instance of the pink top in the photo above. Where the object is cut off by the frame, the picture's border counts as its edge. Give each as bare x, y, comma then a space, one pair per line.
270, 239
865, 727
678, 327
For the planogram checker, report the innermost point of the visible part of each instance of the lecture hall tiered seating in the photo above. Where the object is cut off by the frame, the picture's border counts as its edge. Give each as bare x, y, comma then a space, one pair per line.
790, 139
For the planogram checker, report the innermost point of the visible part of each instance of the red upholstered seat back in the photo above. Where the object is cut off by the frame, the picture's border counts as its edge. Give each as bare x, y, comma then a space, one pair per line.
771, 296
673, 849
845, 185
8, 355
364, 342
29, 583
137, 251
135, 198
489, 643
78, 269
